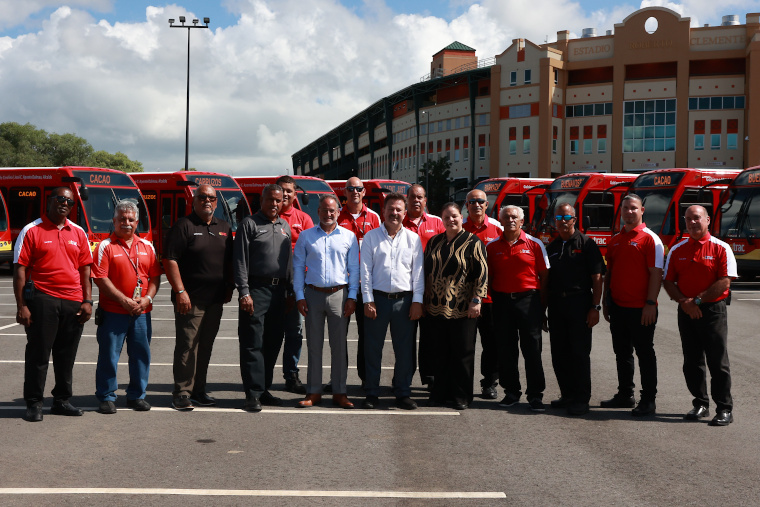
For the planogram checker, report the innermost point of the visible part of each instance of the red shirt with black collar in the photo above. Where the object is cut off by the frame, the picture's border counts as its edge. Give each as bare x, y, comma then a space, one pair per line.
365, 222
515, 268
630, 254
695, 264
429, 226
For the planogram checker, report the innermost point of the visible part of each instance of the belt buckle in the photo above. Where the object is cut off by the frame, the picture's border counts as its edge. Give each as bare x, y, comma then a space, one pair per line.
513, 295
275, 281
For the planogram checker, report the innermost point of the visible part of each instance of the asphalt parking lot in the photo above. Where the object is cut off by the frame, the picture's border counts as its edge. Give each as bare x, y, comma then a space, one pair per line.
487, 455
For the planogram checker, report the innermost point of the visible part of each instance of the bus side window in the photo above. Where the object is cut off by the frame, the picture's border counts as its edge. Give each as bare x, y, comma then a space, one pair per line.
150, 198
181, 207
255, 201
692, 196
166, 213
25, 203
599, 207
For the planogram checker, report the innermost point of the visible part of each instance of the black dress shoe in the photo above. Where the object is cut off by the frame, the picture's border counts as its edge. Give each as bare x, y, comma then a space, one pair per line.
561, 402
65, 408
619, 401
577, 408
202, 400
107, 407
327, 388
293, 384
722, 418
33, 413
645, 407
460, 405
406, 403
697, 413
370, 402
138, 405
252, 405
269, 400
489, 393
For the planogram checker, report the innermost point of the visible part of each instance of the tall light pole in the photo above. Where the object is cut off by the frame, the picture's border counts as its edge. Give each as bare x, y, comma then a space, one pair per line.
187, 113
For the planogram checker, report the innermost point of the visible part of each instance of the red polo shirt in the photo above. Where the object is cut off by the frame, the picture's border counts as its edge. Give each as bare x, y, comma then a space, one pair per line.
111, 262
53, 257
696, 264
486, 232
298, 222
515, 268
629, 257
360, 226
429, 226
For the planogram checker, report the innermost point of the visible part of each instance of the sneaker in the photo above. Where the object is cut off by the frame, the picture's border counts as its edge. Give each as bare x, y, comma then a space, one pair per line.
182, 402
293, 384
536, 405
202, 400
138, 405
107, 407
509, 400
489, 393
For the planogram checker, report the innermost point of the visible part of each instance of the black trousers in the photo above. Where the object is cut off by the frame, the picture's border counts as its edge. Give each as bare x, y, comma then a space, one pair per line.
55, 328
570, 339
489, 357
704, 342
426, 351
261, 336
453, 358
518, 323
359, 315
628, 335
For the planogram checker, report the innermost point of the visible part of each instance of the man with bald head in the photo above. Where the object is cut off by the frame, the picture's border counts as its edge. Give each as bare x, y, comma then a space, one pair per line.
698, 276
198, 264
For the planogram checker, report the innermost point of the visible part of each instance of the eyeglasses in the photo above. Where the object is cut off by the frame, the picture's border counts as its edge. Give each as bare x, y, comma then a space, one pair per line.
566, 218
476, 201
63, 199
209, 198
354, 189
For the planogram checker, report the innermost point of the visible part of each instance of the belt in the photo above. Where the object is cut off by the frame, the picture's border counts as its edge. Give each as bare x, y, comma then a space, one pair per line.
392, 295
571, 293
519, 295
327, 290
266, 281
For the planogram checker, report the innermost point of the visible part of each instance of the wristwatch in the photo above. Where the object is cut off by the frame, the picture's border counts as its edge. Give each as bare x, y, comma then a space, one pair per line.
598, 308
697, 300
651, 303
150, 299
88, 301
476, 301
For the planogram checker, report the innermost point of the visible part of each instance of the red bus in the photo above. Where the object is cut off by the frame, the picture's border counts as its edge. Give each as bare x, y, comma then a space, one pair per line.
6, 241
96, 192
169, 196
666, 193
308, 190
595, 196
375, 192
523, 192
737, 220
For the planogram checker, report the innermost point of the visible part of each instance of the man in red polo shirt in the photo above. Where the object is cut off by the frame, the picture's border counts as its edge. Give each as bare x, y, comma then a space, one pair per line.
635, 257
486, 229
359, 219
53, 252
426, 226
518, 273
291, 349
127, 273
698, 275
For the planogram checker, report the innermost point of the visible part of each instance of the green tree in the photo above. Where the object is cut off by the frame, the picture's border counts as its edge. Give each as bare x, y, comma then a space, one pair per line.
22, 145
435, 176
114, 161
68, 149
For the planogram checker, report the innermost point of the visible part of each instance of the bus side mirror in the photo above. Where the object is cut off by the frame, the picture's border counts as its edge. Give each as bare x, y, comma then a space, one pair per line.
84, 193
682, 224
586, 222
305, 199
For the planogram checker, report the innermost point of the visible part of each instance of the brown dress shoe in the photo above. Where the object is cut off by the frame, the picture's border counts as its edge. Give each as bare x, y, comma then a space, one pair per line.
310, 400
341, 400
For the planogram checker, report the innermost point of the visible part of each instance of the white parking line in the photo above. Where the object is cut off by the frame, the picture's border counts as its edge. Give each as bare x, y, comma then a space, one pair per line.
390, 410
259, 492
10, 325
236, 365
152, 338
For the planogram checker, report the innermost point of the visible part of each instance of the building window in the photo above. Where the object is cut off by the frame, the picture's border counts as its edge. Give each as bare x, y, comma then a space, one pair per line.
574, 147
714, 141
527, 76
521, 111
554, 146
601, 146
456, 149
513, 147
466, 148
556, 77
466, 121
483, 119
587, 146
649, 125
440, 126
597, 109
448, 124
482, 153
699, 142
513, 78
526, 146
713, 103
456, 122
423, 129
731, 140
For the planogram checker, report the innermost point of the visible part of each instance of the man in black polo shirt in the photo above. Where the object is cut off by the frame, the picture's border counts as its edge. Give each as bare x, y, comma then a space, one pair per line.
198, 265
263, 273
575, 292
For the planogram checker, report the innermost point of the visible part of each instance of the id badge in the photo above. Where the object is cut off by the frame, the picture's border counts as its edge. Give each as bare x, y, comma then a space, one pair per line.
137, 293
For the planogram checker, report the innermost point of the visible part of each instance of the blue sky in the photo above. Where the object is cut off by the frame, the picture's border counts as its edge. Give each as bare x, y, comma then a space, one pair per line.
268, 78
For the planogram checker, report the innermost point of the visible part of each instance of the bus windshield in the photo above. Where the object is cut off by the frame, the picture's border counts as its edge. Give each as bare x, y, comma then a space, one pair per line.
741, 214
554, 199
231, 207
656, 203
102, 202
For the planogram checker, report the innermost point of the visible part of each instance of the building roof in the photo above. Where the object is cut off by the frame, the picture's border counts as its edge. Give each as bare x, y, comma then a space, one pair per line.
458, 46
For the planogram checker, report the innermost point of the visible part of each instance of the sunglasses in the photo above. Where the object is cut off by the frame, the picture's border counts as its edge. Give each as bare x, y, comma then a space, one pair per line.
209, 198
566, 218
354, 189
63, 199
476, 201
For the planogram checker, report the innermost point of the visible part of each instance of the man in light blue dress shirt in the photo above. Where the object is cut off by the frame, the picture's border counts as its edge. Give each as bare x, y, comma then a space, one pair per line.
326, 280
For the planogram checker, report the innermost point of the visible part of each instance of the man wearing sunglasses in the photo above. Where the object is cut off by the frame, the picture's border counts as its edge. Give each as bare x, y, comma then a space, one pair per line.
359, 219
53, 253
486, 229
198, 265
575, 293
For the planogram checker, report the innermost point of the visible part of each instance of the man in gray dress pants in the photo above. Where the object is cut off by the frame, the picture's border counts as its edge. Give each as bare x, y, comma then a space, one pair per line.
326, 280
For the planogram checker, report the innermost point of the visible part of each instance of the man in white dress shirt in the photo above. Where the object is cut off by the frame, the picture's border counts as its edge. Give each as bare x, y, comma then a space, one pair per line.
392, 286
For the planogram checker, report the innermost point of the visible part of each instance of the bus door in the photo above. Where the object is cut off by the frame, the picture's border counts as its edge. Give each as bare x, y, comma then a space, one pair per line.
173, 207
26, 203
6, 248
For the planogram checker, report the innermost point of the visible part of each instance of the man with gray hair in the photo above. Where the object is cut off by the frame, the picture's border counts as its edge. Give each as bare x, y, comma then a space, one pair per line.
127, 273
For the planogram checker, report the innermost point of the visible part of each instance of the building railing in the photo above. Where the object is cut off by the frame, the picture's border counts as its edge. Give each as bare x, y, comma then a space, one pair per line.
485, 62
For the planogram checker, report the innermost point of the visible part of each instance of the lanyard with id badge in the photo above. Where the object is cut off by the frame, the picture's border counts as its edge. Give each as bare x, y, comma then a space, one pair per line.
137, 293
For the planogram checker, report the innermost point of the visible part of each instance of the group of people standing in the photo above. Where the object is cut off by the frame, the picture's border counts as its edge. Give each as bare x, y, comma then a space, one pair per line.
446, 278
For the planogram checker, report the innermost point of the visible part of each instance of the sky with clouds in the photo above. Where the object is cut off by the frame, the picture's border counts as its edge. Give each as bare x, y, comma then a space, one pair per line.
267, 78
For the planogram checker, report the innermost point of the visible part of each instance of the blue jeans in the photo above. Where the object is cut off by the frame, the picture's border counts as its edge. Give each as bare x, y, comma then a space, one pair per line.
291, 350
396, 313
112, 332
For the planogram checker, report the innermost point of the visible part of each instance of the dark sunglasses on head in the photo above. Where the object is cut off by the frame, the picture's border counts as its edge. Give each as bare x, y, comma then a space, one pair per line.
566, 218
354, 189
209, 198
476, 201
63, 199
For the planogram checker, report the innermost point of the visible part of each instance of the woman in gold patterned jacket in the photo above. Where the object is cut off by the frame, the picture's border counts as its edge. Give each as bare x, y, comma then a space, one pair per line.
456, 279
